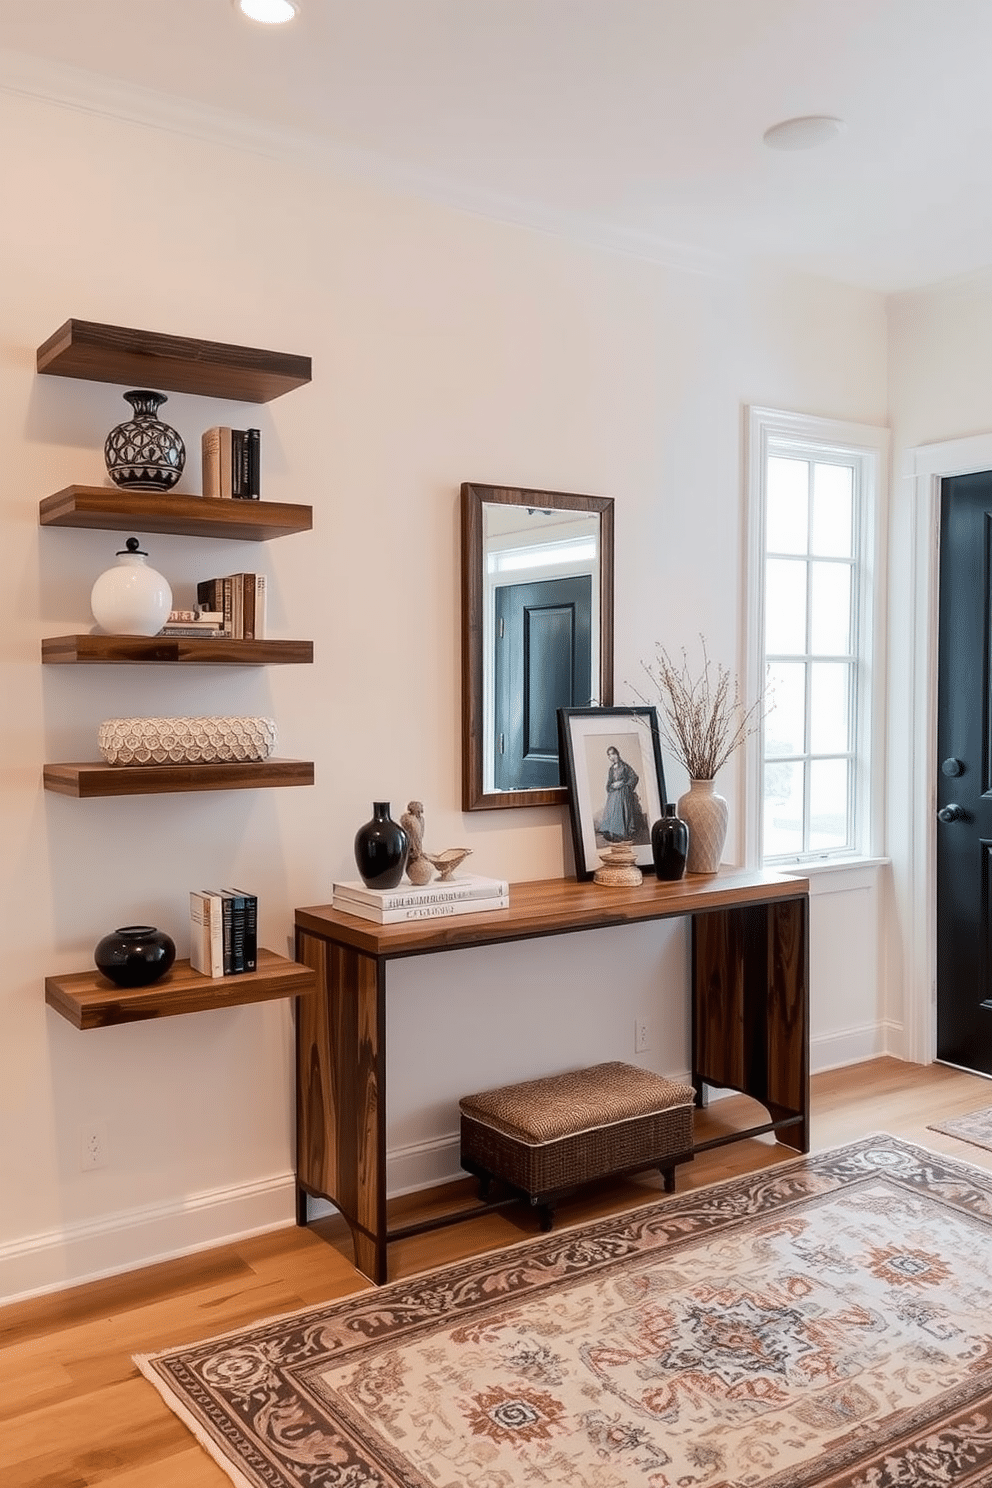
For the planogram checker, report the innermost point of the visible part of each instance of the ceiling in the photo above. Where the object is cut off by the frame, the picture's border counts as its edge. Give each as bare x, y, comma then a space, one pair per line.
636, 123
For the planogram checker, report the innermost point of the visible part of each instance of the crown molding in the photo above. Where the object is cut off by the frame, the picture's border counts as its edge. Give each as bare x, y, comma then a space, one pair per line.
975, 281
68, 87
114, 98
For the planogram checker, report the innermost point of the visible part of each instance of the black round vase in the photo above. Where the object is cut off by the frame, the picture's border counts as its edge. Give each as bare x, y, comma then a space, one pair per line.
135, 955
381, 849
143, 453
669, 844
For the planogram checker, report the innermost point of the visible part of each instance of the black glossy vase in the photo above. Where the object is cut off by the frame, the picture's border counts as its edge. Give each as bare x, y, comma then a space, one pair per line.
135, 955
143, 453
381, 849
669, 844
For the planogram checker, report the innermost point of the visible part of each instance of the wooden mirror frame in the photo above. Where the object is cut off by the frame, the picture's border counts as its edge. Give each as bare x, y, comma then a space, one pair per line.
473, 499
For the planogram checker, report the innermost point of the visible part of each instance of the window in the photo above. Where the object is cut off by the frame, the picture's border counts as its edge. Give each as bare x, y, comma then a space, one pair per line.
815, 502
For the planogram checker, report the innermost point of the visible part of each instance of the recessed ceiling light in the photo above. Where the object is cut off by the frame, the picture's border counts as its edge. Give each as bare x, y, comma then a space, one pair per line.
269, 12
806, 133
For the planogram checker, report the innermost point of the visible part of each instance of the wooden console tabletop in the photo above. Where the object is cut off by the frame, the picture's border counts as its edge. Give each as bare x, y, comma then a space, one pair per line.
750, 1017
551, 906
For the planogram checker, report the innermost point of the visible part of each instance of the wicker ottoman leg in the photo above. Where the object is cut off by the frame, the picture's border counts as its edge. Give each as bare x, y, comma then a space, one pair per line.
483, 1174
669, 1176
547, 1212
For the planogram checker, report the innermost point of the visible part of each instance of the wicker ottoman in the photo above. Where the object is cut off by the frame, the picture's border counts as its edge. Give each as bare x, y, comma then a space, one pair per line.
547, 1137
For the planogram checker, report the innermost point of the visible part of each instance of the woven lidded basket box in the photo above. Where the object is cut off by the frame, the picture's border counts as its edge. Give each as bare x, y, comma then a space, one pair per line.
555, 1133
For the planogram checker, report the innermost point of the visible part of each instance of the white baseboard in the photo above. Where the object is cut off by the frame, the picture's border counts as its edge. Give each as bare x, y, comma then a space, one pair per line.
849, 1046
424, 1165
141, 1237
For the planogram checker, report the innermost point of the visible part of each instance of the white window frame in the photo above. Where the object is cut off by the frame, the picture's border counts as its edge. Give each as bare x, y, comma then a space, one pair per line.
774, 432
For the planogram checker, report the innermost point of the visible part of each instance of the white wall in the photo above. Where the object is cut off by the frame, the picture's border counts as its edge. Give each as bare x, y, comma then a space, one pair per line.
446, 347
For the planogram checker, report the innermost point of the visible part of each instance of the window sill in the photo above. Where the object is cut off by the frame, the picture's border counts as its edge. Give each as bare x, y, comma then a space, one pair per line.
837, 874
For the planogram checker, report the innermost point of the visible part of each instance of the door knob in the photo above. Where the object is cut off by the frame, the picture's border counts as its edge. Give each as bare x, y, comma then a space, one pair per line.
952, 813
952, 766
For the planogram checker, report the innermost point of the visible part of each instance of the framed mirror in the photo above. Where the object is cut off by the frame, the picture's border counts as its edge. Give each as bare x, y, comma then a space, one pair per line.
537, 635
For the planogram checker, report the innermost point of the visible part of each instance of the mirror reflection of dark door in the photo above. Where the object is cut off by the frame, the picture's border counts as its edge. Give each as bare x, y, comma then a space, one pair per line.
543, 662
964, 778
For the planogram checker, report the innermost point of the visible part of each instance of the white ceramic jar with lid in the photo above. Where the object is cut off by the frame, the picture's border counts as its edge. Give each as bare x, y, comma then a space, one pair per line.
131, 598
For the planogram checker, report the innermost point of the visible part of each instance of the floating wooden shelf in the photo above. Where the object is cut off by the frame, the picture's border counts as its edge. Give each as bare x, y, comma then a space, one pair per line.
176, 364
98, 779
111, 510
187, 650
89, 1000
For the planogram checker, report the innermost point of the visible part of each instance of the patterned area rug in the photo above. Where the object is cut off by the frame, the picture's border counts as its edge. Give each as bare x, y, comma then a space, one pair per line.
975, 1128
824, 1322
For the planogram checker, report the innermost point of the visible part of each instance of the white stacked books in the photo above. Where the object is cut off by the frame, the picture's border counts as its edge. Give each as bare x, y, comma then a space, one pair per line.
471, 893
206, 933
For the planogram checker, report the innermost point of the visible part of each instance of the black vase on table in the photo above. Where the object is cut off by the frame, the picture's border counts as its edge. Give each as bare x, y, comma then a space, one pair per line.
669, 844
135, 955
381, 849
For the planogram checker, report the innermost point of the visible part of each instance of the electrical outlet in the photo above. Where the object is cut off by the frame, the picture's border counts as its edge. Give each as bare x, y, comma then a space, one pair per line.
642, 1035
93, 1147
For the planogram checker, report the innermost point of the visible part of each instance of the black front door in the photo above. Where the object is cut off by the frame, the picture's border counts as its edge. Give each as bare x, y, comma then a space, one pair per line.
543, 663
964, 789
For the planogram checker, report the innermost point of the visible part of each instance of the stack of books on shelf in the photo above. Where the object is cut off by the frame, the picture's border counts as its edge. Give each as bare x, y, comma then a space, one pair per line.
223, 926
469, 894
231, 463
198, 622
240, 600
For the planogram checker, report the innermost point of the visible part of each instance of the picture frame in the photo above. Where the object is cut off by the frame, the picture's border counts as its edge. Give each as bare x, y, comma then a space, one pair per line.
600, 748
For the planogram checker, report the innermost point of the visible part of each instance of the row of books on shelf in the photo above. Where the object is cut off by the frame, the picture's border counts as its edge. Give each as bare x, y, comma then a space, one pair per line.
232, 463
241, 599
473, 893
233, 607
223, 926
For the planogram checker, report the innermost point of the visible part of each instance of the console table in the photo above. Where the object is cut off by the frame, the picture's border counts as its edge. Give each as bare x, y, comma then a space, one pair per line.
750, 1018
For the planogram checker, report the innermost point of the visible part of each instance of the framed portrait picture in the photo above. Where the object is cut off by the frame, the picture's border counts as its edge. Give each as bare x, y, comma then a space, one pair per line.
611, 764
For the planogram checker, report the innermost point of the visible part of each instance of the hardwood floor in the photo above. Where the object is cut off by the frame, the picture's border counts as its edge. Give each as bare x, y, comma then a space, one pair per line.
74, 1412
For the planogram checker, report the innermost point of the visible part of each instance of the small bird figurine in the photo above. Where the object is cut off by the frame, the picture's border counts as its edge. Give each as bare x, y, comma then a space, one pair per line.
418, 865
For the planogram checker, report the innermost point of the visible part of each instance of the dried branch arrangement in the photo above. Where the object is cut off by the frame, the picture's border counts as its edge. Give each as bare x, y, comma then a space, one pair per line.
703, 719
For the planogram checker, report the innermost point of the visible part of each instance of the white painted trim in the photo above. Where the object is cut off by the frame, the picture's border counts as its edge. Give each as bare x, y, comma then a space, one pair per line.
420, 1165
840, 876
926, 466
135, 1238
95, 93
753, 627
807, 431
848, 1046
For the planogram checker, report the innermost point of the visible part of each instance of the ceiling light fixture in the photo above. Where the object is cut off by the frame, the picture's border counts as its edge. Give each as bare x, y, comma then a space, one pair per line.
269, 12
806, 133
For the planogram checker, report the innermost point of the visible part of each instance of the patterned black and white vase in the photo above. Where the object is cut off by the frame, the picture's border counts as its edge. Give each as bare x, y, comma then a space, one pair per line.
143, 453
381, 848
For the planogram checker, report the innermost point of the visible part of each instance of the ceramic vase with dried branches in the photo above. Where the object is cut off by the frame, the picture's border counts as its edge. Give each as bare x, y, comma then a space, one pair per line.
703, 721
